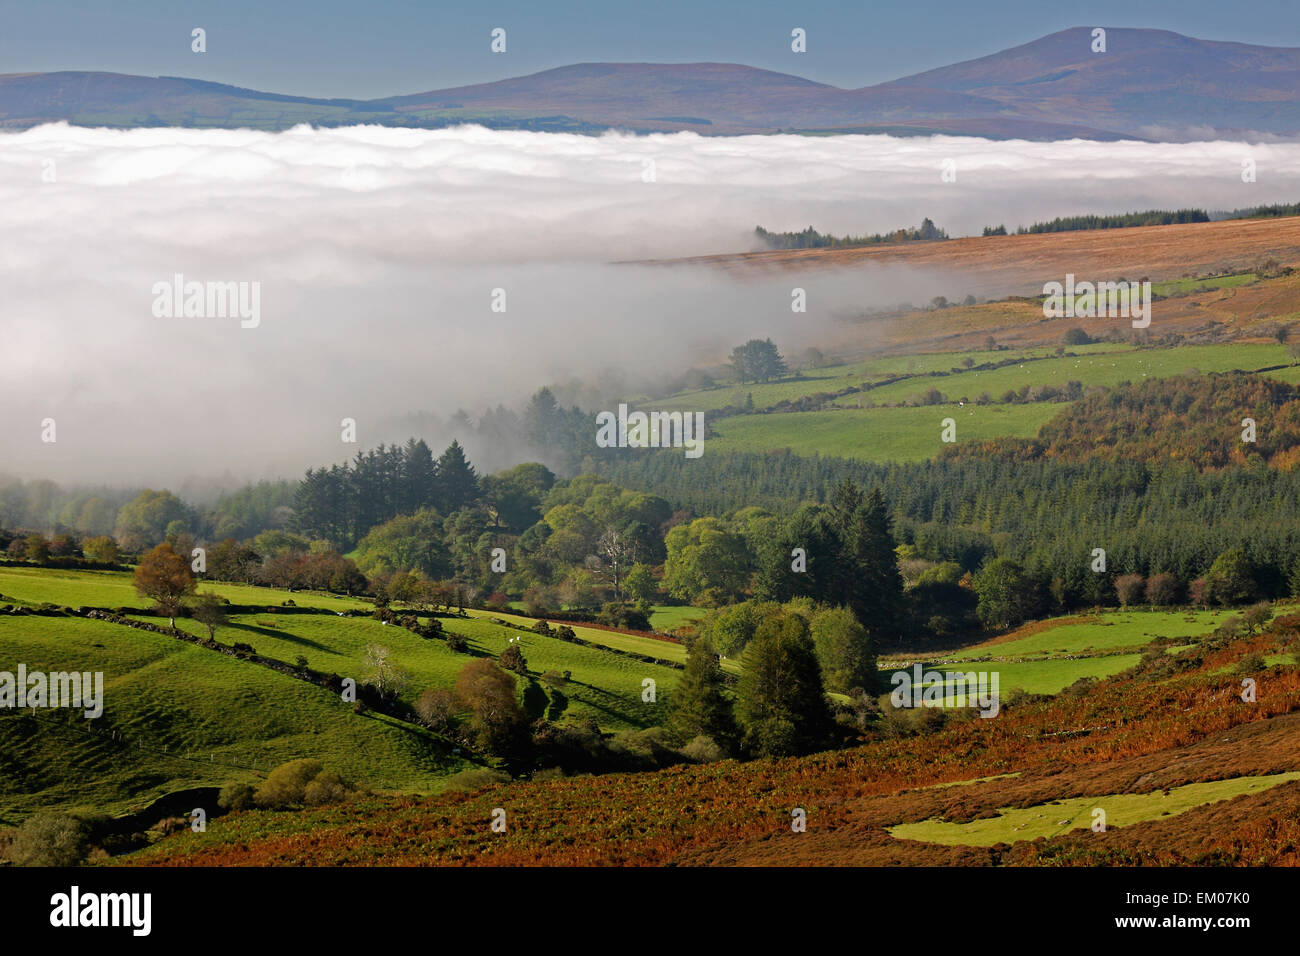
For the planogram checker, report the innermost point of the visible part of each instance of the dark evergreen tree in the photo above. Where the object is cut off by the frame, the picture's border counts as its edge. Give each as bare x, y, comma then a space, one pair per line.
781, 704
699, 705
419, 477
457, 481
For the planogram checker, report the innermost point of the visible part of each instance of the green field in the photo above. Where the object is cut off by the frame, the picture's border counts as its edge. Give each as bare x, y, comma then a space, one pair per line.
1182, 286
187, 716
34, 586
1100, 363
603, 687
912, 433
634, 643
877, 434
1171, 287
1109, 630
1061, 816
669, 617
852, 428
1051, 659
1107, 369
1049, 676
834, 378
207, 710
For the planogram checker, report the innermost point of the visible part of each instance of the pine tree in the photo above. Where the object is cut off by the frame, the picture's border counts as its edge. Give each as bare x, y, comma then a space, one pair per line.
457, 480
844, 504
876, 592
699, 706
781, 704
419, 477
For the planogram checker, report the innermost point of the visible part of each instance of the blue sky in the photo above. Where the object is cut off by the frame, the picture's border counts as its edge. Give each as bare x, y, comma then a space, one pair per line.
383, 47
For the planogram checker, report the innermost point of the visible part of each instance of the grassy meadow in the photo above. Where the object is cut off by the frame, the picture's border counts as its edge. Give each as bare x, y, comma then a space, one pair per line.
183, 717
859, 426
1060, 816
877, 434
187, 716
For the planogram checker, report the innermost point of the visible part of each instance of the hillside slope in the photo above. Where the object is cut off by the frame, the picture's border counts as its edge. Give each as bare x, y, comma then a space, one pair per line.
1171, 721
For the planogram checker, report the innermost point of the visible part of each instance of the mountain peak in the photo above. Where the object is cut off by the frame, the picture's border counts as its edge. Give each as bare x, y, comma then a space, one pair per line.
1148, 83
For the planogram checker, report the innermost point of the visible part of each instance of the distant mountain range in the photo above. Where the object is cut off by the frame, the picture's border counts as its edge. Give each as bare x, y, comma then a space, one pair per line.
1149, 84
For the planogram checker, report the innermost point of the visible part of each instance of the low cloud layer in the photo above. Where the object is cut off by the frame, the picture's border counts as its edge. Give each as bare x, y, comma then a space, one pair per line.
377, 252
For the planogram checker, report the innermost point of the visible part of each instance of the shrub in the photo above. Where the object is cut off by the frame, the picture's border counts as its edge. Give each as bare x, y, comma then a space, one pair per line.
1256, 616
328, 787
101, 548
435, 708
1198, 592
50, 839
300, 782
1163, 590
512, 659
497, 722
1231, 578
169, 825
1130, 588
628, 616
235, 796
1229, 629
1080, 688
1251, 664
703, 749
287, 783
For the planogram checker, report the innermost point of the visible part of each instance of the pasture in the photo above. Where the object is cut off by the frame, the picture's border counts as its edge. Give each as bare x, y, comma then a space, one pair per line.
1060, 816
178, 716
877, 434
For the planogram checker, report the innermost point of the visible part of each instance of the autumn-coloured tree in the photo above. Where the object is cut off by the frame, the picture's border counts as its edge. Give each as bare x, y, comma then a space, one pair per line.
1130, 588
1163, 589
165, 577
63, 545
497, 720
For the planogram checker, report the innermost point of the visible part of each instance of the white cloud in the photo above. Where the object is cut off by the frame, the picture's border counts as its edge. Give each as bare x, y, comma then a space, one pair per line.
377, 250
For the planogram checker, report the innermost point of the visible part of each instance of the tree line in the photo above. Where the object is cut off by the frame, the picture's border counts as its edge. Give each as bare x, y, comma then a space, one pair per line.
1150, 217
810, 238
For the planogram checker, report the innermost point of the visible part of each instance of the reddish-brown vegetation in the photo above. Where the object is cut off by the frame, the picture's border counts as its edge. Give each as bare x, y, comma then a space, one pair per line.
1170, 722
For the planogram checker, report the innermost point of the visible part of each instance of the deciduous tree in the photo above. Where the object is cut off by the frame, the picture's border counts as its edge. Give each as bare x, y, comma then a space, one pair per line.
165, 577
